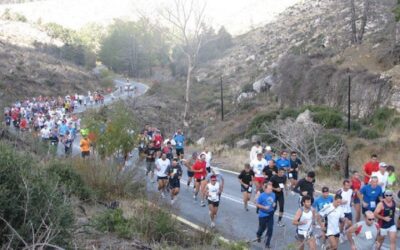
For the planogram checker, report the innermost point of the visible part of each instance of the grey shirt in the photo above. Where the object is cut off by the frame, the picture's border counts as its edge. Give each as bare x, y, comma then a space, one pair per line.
365, 236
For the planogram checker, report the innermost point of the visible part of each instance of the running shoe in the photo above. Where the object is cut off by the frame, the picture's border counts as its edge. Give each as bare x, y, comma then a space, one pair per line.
280, 223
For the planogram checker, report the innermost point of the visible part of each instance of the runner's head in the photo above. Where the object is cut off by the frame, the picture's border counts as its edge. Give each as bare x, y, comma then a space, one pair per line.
390, 169
271, 163
346, 185
163, 156
213, 179
337, 200
325, 192
356, 174
374, 158
369, 218
259, 155
267, 187
194, 155
306, 201
179, 131
247, 167
388, 195
310, 176
382, 167
203, 156
281, 172
293, 155
284, 154
206, 149
151, 144
174, 162
268, 149
374, 181
169, 143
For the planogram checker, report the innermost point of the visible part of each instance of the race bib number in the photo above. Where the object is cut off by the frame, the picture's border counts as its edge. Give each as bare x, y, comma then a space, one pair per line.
372, 204
214, 197
368, 235
249, 189
290, 175
281, 185
174, 171
179, 144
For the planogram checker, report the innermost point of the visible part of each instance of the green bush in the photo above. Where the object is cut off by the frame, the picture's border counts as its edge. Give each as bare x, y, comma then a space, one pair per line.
326, 116
289, 113
382, 118
369, 134
248, 88
30, 197
258, 121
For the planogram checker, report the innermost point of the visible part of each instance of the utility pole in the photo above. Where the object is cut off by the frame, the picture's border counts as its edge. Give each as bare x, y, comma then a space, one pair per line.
346, 173
222, 99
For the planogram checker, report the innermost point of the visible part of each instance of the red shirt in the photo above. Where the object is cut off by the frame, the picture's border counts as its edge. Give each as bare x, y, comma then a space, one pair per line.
355, 184
370, 167
199, 165
157, 141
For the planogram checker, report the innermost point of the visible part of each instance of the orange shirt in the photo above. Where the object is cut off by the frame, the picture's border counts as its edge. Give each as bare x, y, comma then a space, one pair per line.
85, 145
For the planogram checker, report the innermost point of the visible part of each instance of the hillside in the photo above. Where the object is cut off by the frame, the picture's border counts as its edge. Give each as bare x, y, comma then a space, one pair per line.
26, 71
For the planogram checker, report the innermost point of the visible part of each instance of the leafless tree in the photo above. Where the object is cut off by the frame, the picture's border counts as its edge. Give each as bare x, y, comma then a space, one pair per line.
187, 18
308, 140
358, 35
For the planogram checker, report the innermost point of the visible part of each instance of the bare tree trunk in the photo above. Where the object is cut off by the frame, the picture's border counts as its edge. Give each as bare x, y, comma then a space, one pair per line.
187, 94
364, 20
353, 22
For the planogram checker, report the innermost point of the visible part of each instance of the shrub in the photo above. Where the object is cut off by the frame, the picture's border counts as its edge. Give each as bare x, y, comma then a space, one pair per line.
369, 134
289, 113
326, 116
259, 120
382, 118
248, 88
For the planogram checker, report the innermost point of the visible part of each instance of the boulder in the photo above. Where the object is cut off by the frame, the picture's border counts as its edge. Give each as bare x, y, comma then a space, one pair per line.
255, 138
264, 84
244, 143
304, 117
244, 96
201, 141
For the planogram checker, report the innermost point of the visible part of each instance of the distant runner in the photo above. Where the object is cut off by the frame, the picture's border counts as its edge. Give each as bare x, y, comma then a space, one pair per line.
174, 171
246, 178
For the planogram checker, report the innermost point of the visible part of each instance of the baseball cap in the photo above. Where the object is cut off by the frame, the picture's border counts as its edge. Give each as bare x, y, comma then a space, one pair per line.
213, 178
382, 165
388, 192
259, 153
325, 189
268, 148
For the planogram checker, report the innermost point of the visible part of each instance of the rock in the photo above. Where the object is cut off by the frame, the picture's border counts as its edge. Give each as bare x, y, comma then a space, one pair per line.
264, 84
81, 221
255, 138
201, 141
244, 143
250, 59
244, 96
304, 117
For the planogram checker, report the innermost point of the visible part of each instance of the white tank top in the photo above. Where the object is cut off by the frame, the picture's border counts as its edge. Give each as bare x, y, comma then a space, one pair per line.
213, 192
305, 217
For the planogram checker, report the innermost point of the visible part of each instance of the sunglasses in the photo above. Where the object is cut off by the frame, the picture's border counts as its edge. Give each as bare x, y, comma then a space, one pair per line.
388, 195
371, 219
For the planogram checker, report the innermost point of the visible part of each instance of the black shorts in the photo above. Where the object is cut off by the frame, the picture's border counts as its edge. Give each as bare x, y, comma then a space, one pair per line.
200, 180
162, 178
208, 169
244, 189
214, 203
174, 183
85, 153
334, 235
349, 216
180, 151
190, 173
294, 175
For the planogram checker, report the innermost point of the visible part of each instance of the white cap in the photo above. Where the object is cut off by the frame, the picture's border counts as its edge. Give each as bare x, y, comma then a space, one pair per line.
268, 148
383, 164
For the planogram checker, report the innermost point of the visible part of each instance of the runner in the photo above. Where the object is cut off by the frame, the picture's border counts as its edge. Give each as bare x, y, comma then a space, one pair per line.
385, 213
304, 220
370, 167
208, 159
188, 164
258, 166
269, 155
270, 170
67, 141
278, 186
382, 175
85, 147
295, 164
356, 186
213, 192
333, 214
162, 177
305, 186
246, 178
174, 172
179, 139
347, 193
158, 140
168, 150
266, 203
283, 162
54, 139
323, 200
365, 233
200, 173
220, 179
150, 153
255, 149
370, 195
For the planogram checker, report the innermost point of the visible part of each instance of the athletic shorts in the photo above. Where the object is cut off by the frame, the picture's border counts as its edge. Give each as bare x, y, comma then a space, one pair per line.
174, 183
200, 179
214, 203
208, 170
260, 180
356, 200
334, 235
385, 231
293, 174
244, 189
349, 216
300, 237
85, 153
180, 151
190, 173
162, 178
150, 165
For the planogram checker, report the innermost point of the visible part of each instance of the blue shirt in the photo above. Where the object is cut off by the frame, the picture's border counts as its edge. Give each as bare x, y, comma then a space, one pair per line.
282, 163
63, 129
371, 195
268, 157
266, 200
179, 139
321, 202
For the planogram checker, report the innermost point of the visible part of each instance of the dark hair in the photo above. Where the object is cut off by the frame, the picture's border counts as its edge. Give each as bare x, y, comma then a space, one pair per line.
168, 142
258, 143
311, 174
390, 168
246, 165
293, 152
304, 199
374, 155
355, 172
338, 196
345, 181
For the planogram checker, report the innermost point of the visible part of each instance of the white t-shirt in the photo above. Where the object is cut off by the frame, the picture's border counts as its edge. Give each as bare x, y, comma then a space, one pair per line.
382, 179
213, 192
346, 196
334, 215
258, 167
253, 152
162, 166
208, 158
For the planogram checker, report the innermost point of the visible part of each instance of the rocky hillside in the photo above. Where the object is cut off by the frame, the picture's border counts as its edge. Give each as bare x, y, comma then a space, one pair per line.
26, 72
